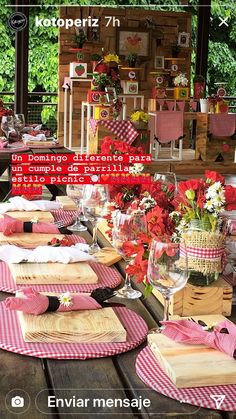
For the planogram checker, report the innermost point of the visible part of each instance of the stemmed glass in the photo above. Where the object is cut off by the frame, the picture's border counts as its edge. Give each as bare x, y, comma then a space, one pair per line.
126, 228
167, 271
168, 181
75, 192
93, 204
19, 123
7, 125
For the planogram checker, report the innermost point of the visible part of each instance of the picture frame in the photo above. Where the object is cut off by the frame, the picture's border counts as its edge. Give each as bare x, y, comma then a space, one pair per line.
159, 62
133, 40
110, 94
183, 39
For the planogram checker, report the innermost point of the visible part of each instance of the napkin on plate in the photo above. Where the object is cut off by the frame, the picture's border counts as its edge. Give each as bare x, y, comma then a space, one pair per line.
43, 254
17, 203
35, 303
10, 225
38, 137
222, 338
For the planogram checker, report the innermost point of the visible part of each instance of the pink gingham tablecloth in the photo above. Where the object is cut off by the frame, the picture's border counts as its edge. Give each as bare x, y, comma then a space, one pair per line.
151, 373
166, 126
222, 124
123, 129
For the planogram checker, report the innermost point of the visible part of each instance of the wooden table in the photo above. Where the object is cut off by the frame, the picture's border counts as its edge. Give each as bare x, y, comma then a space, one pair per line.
5, 163
112, 377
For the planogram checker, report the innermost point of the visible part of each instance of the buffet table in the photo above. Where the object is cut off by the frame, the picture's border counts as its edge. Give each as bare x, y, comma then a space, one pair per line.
114, 377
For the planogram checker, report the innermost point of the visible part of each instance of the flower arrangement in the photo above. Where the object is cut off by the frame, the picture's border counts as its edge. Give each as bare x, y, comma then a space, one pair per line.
169, 218
110, 146
200, 202
54, 242
111, 58
181, 80
138, 116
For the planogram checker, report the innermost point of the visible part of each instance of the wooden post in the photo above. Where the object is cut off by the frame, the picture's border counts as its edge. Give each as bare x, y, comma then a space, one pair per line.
203, 37
21, 62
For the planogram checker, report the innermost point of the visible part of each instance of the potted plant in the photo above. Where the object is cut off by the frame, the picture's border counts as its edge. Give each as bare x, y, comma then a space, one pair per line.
175, 50
95, 59
181, 91
80, 38
198, 87
101, 80
112, 60
140, 119
132, 59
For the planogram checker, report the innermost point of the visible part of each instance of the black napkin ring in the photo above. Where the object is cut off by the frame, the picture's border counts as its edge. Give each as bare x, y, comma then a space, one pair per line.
53, 303
27, 227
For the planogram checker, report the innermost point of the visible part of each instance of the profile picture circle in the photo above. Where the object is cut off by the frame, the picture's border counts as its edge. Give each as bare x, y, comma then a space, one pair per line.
17, 21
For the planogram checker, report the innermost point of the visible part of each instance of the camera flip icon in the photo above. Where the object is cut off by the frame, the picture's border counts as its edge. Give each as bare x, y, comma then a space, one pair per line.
17, 401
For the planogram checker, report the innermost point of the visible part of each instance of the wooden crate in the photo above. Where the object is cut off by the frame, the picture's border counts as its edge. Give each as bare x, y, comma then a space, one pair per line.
96, 140
191, 300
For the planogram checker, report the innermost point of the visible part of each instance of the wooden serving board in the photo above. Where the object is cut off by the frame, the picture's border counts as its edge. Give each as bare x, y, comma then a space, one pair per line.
193, 365
43, 216
53, 273
91, 326
28, 240
66, 203
107, 256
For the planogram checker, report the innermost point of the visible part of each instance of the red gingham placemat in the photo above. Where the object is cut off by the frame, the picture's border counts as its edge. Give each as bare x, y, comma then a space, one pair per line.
150, 372
123, 129
11, 339
107, 277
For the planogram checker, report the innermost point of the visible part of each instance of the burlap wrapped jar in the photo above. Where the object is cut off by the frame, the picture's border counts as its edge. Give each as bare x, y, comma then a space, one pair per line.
205, 251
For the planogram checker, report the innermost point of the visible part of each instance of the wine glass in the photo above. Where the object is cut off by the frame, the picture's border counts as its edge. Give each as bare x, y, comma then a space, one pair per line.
167, 271
75, 192
93, 203
168, 181
19, 122
126, 228
7, 125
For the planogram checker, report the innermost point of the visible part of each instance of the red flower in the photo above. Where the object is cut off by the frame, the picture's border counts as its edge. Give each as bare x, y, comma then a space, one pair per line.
106, 145
155, 221
230, 197
129, 248
119, 200
214, 176
192, 184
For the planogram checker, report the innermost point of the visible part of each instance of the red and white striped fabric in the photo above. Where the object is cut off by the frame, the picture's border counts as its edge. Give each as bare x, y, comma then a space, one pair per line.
11, 339
200, 253
107, 277
65, 216
123, 129
151, 373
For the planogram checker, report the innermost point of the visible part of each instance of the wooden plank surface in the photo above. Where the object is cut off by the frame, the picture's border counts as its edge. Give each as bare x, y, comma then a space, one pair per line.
206, 366
87, 326
28, 240
53, 273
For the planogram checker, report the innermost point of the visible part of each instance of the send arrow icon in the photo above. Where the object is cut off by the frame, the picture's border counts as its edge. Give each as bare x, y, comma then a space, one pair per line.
218, 398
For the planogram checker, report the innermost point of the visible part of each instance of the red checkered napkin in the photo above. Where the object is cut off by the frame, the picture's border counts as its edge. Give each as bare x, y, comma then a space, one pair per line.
11, 339
150, 372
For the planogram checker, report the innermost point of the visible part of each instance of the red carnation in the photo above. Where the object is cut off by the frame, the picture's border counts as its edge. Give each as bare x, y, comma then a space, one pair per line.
230, 197
214, 176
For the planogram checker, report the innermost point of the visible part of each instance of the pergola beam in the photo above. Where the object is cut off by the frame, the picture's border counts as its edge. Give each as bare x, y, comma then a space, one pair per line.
21, 62
204, 13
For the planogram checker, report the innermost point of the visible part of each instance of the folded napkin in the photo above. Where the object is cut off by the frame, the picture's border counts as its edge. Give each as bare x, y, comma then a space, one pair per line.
38, 137
35, 303
222, 338
43, 254
17, 203
10, 225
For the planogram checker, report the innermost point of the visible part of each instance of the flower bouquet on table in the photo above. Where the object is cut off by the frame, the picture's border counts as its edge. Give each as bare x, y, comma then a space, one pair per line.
199, 206
181, 91
140, 119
